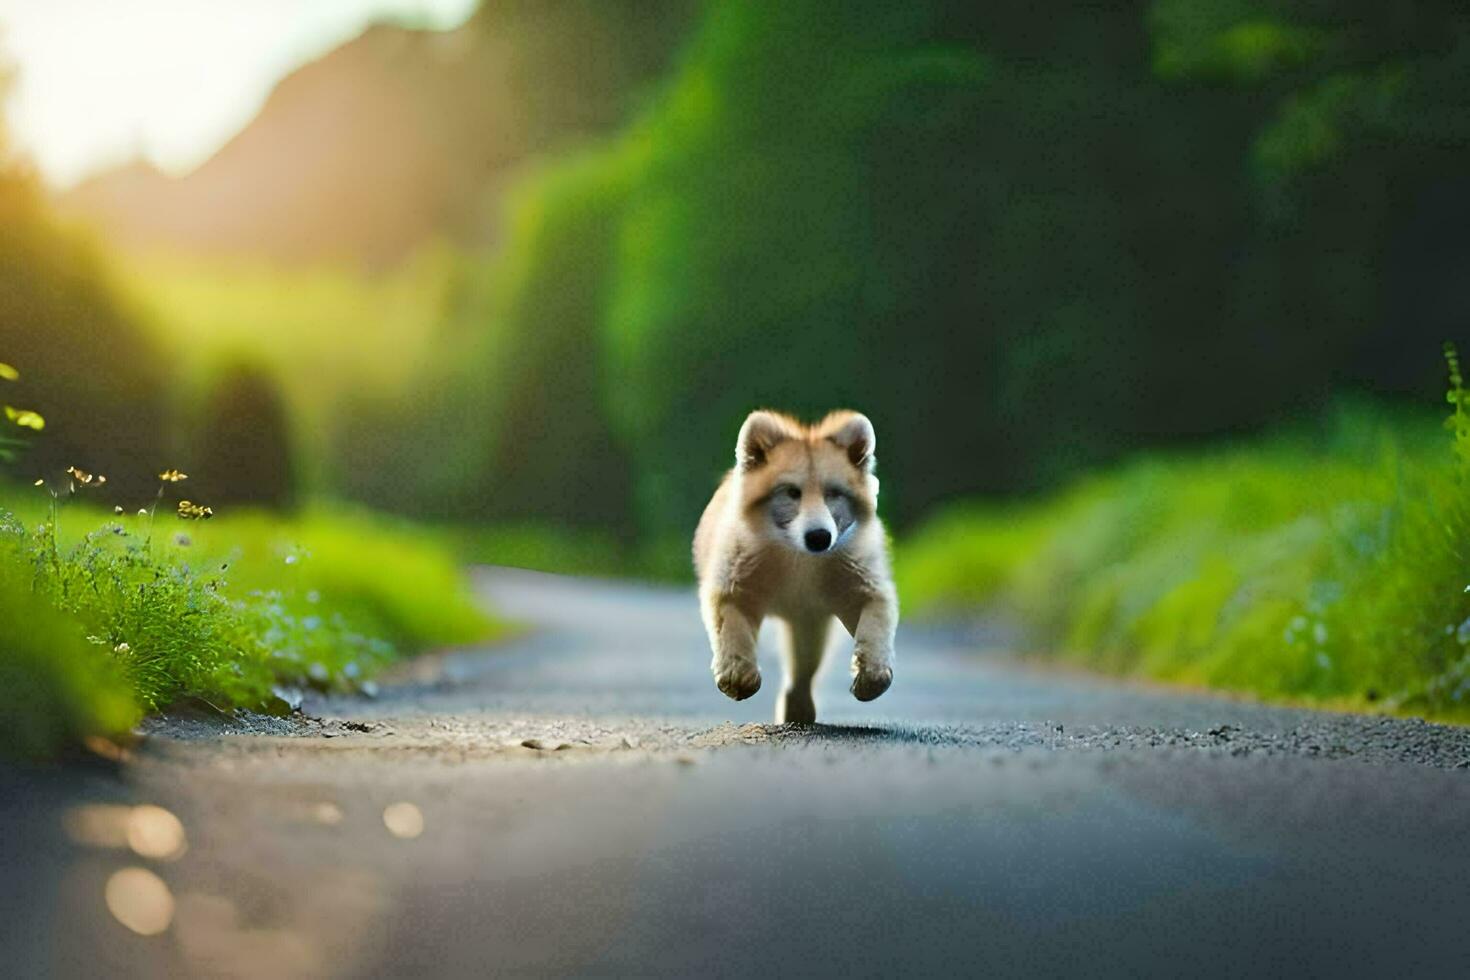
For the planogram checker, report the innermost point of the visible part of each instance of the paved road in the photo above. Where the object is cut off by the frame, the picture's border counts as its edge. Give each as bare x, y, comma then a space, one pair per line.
980, 819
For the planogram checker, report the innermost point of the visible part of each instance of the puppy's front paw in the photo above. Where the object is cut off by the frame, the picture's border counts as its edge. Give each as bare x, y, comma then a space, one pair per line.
870, 682
738, 679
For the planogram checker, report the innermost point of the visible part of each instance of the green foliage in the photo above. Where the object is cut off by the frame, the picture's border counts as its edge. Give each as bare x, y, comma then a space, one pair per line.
19, 419
234, 611
389, 580
1328, 566
934, 212
551, 451
748, 263
1316, 124
1343, 77
57, 687
691, 249
1458, 422
85, 365
1232, 40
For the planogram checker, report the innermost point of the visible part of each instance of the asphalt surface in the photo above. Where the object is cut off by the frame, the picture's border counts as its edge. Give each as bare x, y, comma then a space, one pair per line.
583, 801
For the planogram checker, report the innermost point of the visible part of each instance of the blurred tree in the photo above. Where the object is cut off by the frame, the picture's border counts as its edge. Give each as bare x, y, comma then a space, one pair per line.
242, 451
552, 453
978, 225
510, 422
1358, 150
1023, 240
85, 364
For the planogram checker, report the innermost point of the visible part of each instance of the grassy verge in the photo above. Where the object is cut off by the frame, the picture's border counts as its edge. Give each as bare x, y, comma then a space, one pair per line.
107, 616
1327, 566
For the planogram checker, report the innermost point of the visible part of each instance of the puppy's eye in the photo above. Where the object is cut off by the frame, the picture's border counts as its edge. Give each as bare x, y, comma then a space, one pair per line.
832, 493
793, 493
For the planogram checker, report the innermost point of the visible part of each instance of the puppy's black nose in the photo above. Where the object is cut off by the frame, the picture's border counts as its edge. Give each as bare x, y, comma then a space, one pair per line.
818, 540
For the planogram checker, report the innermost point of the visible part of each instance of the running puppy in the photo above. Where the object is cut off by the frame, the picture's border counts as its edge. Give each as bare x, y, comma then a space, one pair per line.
793, 532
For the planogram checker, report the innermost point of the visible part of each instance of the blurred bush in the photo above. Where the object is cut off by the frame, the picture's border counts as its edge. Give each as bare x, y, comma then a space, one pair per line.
392, 581
1327, 565
57, 686
242, 442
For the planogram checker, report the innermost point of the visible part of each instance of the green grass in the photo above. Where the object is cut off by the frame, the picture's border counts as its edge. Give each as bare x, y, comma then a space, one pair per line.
105, 617
1327, 566
57, 687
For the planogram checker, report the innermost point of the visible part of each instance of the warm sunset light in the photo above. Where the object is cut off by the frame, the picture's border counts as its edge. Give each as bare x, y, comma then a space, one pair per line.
102, 81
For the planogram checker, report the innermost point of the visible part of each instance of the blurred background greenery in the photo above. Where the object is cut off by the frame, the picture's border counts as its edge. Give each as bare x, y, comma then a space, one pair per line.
539, 267
527, 275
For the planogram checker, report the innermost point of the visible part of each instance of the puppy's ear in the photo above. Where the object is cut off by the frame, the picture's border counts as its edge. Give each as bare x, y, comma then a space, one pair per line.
854, 433
758, 436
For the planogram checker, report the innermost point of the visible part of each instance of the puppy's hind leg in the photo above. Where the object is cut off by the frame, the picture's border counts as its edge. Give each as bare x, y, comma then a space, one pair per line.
803, 641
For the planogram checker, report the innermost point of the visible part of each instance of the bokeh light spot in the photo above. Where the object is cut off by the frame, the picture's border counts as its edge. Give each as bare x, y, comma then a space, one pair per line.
403, 820
98, 824
154, 832
327, 813
140, 900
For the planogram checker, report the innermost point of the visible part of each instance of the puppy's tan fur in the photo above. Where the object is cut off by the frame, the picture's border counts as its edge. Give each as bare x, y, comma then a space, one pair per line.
753, 553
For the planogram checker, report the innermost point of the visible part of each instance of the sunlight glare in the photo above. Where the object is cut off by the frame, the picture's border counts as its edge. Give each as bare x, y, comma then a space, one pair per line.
101, 82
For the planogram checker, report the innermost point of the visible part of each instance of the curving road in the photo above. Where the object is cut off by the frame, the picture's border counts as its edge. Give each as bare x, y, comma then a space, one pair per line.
582, 801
